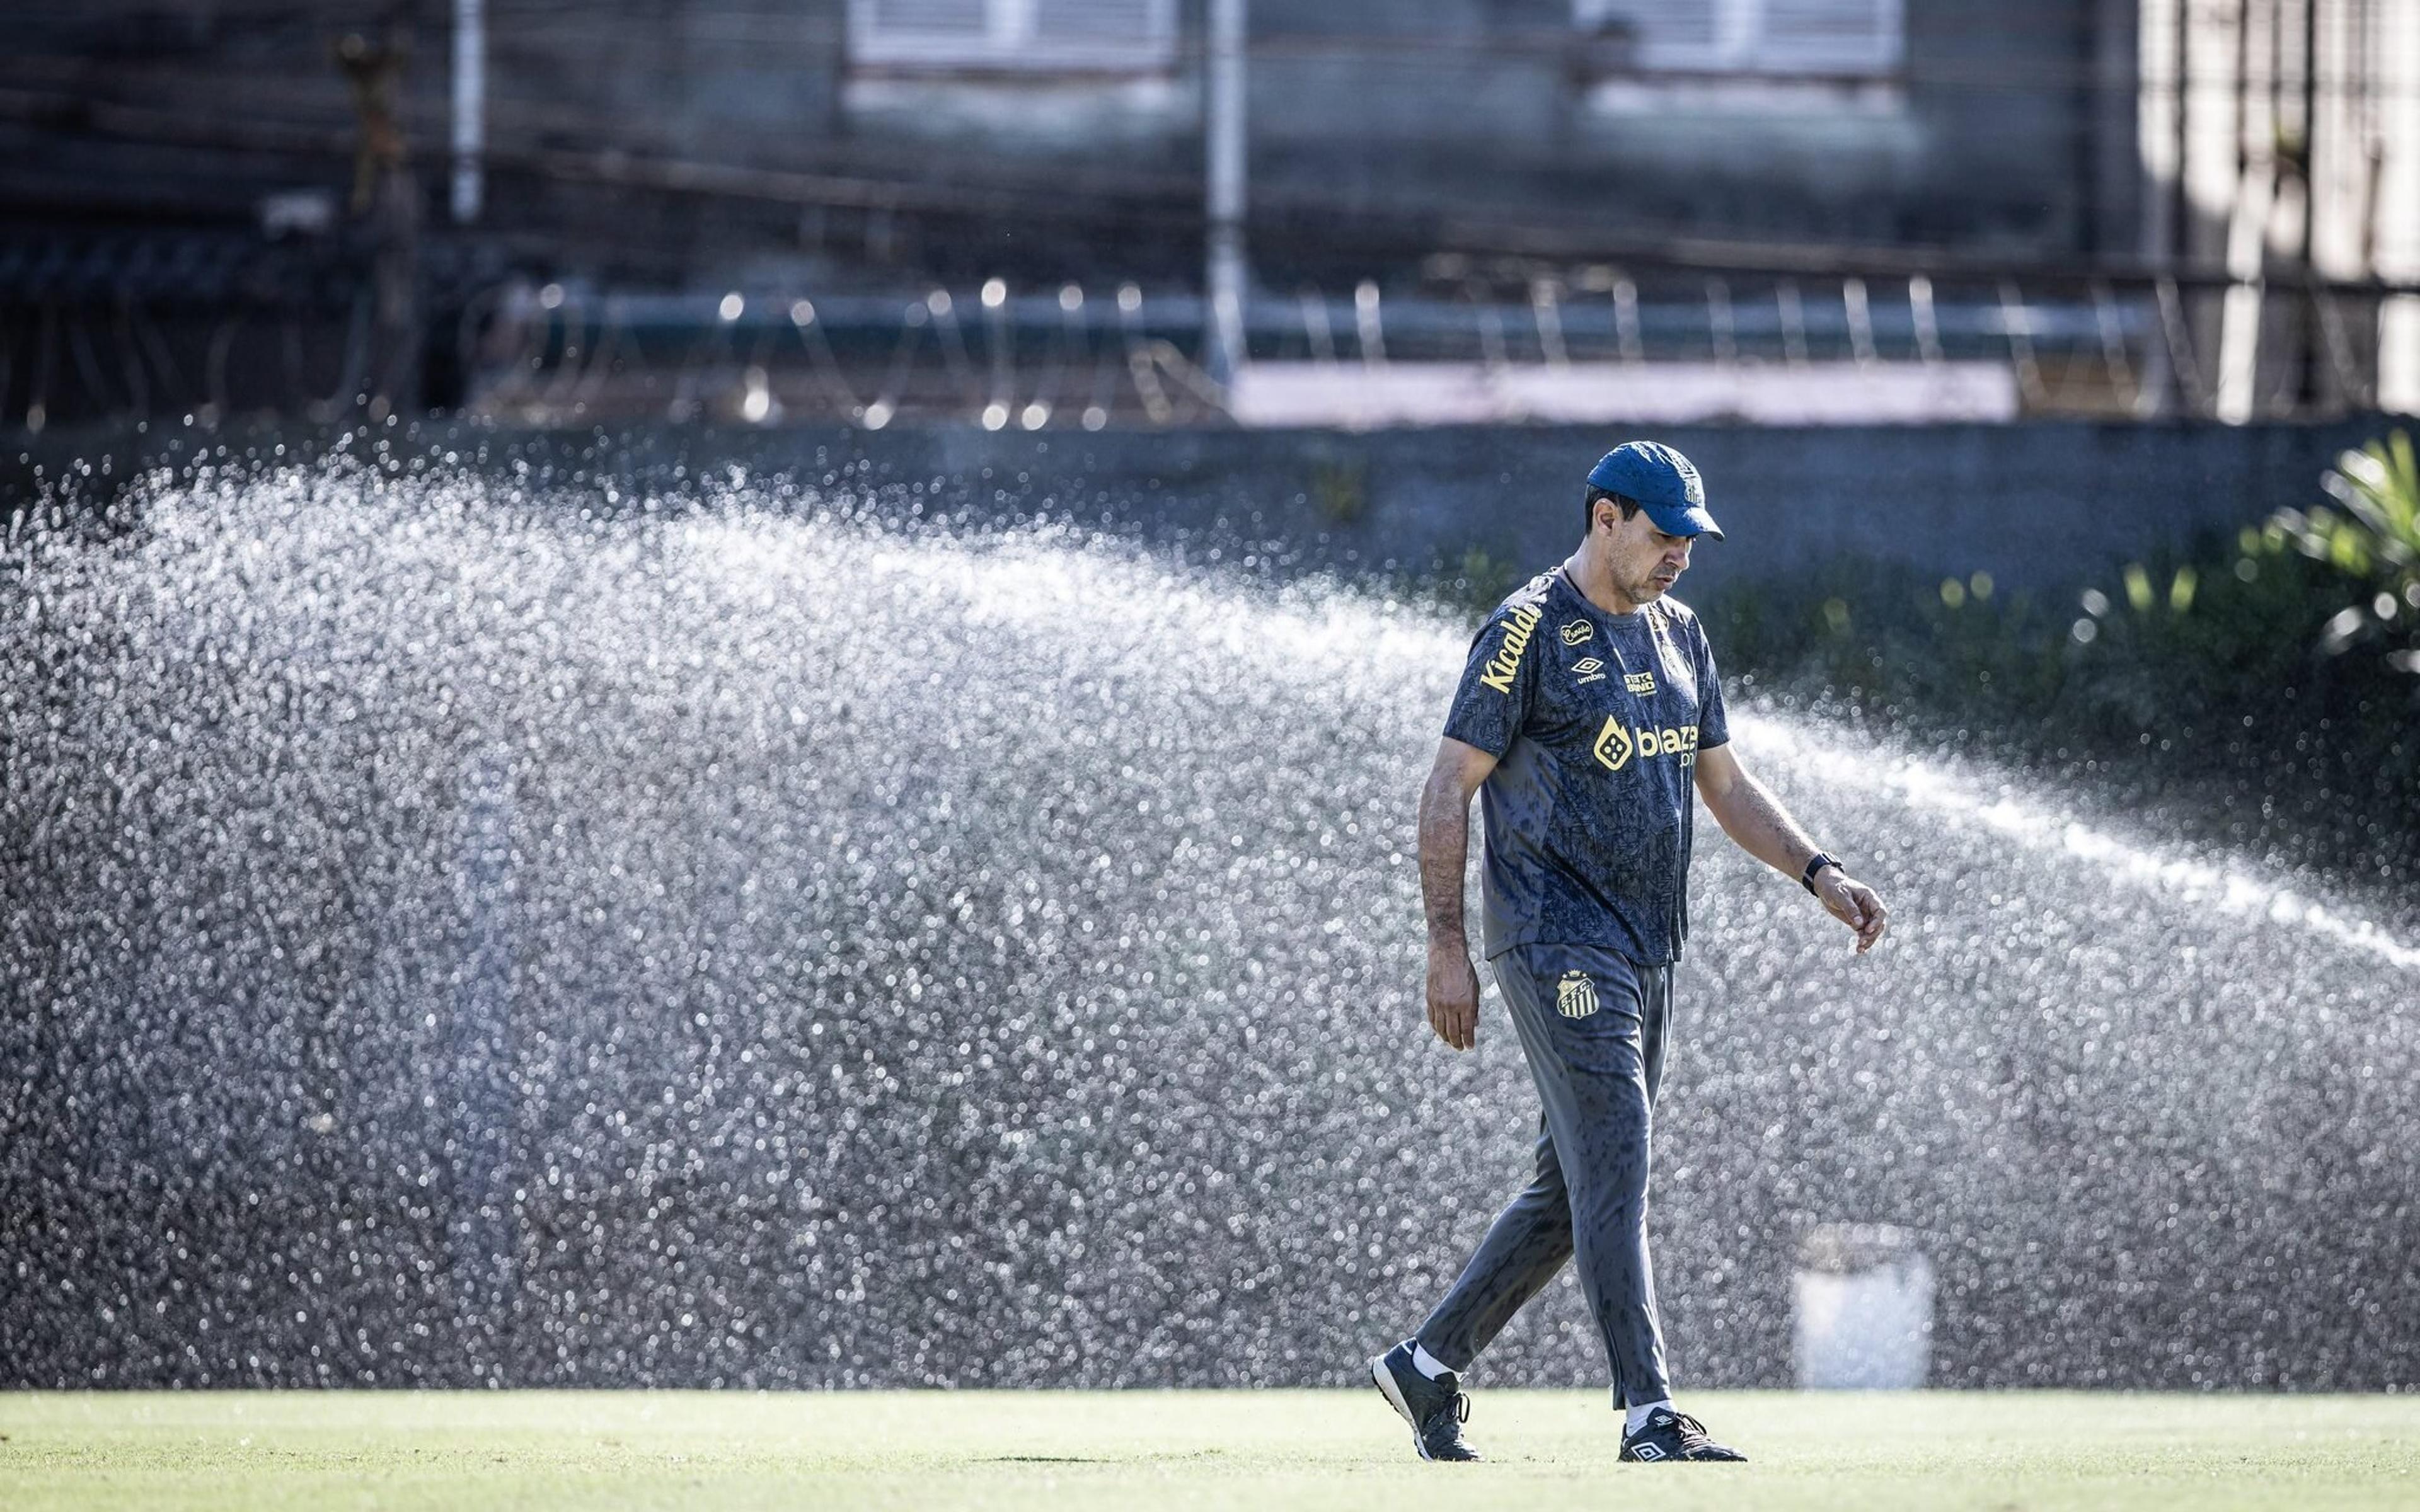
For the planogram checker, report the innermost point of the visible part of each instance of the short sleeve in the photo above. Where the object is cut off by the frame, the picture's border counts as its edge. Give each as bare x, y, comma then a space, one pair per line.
1498, 682
1714, 725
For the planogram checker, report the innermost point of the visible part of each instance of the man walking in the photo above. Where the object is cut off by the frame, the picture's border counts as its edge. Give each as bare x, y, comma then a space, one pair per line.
1587, 708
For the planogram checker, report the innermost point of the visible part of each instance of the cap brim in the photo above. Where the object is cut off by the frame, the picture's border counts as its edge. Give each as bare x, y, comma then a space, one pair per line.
1685, 521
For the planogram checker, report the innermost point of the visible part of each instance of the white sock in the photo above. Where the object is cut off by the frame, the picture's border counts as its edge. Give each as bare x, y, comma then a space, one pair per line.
1639, 1415
1429, 1364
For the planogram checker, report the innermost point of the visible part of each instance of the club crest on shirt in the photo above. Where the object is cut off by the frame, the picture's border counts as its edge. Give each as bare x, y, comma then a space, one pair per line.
1575, 996
1577, 631
1675, 661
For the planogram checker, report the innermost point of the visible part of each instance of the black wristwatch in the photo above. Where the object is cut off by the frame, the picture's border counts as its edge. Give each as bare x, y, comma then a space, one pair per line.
1815, 863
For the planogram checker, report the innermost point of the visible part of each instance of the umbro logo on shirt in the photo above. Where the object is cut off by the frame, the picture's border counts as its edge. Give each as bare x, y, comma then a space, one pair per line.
1589, 670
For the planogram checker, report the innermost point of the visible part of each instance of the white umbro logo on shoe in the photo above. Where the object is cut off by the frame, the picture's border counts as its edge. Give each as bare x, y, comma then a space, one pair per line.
1645, 1451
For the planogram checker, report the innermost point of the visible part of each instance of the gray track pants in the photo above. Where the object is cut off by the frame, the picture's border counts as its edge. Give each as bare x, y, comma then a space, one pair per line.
1592, 1027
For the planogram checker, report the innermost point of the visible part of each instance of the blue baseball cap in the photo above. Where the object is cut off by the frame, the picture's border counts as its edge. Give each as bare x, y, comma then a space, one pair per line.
1662, 481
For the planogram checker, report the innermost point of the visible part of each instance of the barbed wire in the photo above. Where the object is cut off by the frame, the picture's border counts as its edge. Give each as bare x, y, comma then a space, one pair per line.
1074, 357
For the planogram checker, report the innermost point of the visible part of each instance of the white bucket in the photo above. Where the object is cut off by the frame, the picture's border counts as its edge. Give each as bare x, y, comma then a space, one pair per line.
1862, 1301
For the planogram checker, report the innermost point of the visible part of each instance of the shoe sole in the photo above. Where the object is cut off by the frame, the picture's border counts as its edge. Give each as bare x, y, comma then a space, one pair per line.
1384, 1379
1626, 1458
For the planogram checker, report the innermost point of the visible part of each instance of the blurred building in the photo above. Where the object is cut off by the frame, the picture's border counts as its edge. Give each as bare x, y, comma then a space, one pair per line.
1505, 181
1060, 137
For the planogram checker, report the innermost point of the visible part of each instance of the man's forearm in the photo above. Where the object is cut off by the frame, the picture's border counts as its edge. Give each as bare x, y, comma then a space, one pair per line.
1445, 854
1762, 828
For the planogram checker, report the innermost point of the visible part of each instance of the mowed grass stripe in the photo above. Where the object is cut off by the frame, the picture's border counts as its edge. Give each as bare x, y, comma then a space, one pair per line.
597, 1451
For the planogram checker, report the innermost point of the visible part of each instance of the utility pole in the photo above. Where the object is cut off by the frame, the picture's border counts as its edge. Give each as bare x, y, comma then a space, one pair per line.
2243, 311
470, 108
1223, 334
2162, 56
386, 205
2395, 89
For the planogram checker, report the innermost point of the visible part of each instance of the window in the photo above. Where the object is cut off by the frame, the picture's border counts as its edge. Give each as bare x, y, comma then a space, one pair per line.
1769, 37
1118, 35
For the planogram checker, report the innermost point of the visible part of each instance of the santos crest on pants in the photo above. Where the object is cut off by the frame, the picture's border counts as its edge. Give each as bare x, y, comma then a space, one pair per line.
1576, 995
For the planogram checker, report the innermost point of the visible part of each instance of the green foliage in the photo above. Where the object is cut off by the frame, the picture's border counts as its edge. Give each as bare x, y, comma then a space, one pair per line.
2227, 664
1482, 579
2373, 542
1341, 491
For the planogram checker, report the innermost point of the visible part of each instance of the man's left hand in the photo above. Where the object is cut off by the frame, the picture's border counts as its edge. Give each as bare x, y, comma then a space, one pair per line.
1853, 903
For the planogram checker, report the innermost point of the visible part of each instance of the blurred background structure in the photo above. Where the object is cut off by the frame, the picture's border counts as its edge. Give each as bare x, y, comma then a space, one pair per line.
1044, 213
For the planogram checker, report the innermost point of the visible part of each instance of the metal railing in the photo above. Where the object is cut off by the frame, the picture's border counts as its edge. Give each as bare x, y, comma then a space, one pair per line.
2118, 345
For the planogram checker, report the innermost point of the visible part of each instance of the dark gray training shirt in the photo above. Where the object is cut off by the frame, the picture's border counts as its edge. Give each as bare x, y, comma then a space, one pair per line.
1597, 720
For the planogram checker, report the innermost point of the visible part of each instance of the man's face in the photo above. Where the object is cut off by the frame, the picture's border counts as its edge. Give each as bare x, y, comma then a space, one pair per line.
1644, 562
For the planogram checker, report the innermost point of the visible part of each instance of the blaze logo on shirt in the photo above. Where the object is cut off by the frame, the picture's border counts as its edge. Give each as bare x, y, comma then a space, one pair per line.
1499, 672
1575, 996
1616, 742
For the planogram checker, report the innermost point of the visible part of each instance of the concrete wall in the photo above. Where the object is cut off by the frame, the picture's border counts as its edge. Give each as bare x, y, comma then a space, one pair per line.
2037, 504
2033, 504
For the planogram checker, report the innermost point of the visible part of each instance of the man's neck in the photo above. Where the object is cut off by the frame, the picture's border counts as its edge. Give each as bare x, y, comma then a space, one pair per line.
1588, 573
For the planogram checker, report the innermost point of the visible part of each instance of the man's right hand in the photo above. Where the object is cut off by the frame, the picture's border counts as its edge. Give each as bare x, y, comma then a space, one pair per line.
1445, 850
1453, 996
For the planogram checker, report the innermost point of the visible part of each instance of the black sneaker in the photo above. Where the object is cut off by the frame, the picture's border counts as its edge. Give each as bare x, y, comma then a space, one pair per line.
1670, 1435
1436, 1410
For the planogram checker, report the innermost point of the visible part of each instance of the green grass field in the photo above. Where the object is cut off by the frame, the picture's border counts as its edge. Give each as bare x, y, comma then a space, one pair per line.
461, 1452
